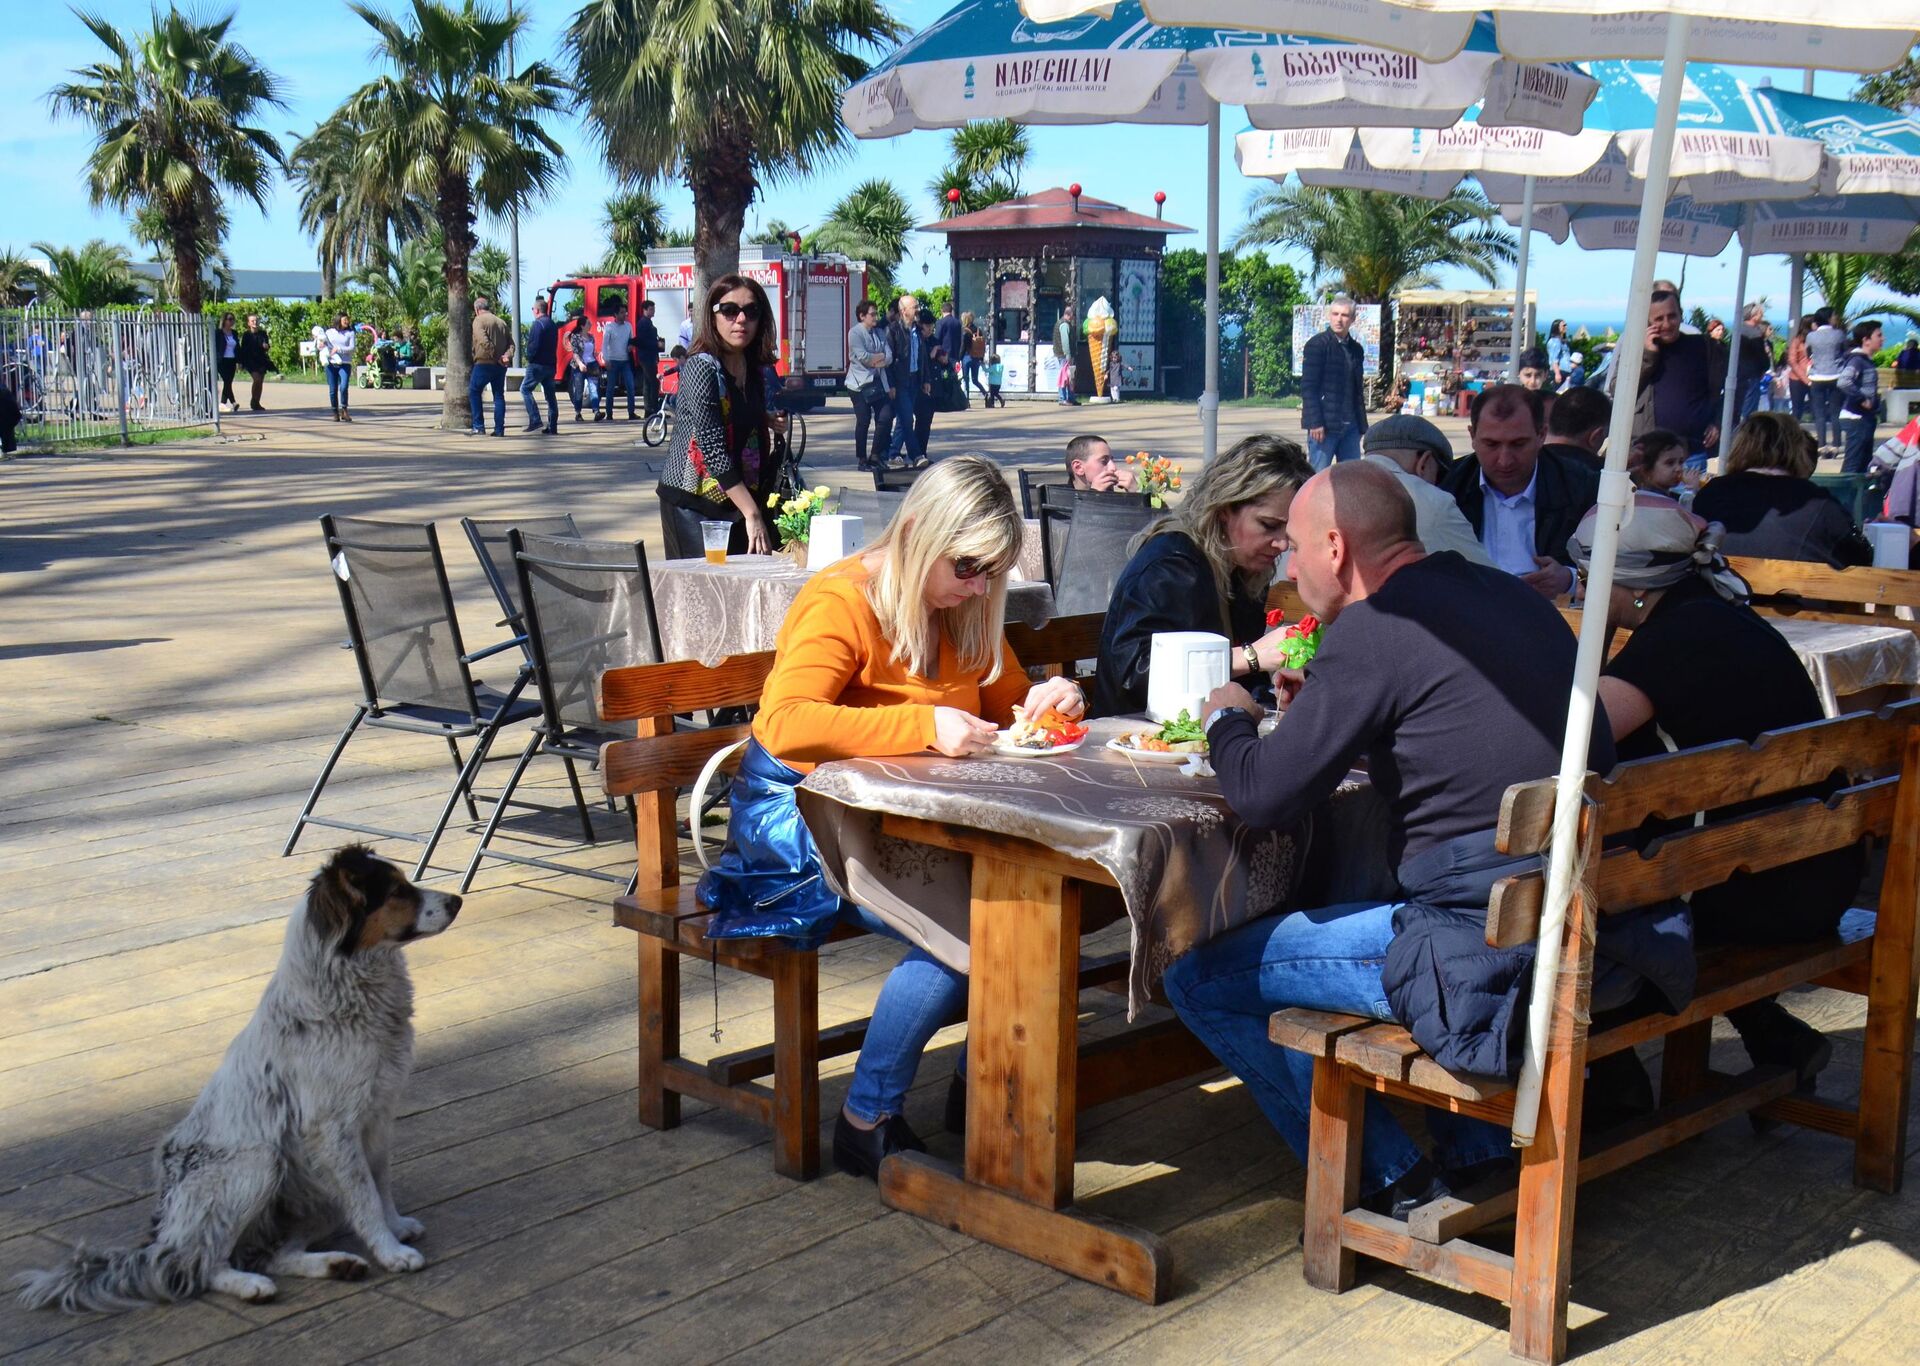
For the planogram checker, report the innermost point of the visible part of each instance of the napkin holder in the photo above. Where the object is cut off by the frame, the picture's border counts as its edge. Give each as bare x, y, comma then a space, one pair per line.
1182, 668
833, 537
1892, 544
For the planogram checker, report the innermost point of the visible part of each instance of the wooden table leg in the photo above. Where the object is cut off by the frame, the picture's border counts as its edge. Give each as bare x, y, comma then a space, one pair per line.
1022, 1037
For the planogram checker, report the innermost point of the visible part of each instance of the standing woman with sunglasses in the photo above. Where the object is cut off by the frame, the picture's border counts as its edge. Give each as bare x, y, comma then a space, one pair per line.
723, 435
896, 650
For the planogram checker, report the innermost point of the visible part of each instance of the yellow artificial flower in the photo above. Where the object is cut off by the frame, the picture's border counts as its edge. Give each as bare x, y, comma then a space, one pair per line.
773, 501
820, 490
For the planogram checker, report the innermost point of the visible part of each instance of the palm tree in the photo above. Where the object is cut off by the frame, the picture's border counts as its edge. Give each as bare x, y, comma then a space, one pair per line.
985, 161
216, 271
453, 124
1839, 277
170, 113
976, 192
93, 276
343, 204
1372, 244
870, 223
411, 282
19, 281
722, 96
635, 220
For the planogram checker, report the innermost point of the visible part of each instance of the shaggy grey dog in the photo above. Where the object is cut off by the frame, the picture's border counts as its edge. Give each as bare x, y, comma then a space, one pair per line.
290, 1138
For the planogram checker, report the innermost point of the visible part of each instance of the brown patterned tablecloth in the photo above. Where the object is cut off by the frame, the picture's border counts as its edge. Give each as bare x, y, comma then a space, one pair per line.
1188, 869
710, 611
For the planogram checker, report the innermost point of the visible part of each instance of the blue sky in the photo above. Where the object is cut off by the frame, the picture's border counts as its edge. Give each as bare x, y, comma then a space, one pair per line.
320, 49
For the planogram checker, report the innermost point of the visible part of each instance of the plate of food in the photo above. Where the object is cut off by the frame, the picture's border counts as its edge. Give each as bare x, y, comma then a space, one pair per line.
1171, 742
1039, 737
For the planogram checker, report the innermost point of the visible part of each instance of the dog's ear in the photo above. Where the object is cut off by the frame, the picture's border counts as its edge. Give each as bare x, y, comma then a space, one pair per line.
342, 893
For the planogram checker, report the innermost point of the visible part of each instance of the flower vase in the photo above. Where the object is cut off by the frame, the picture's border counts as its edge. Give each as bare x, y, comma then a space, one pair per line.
797, 552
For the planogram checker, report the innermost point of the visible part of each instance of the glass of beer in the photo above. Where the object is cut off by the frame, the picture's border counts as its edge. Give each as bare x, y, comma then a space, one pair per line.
714, 536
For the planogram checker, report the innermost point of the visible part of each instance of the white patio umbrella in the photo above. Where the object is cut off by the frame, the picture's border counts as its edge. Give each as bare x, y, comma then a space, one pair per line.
983, 59
1867, 35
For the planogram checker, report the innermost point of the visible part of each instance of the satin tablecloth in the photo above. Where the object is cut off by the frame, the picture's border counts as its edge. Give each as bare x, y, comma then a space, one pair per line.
710, 611
1187, 869
1842, 658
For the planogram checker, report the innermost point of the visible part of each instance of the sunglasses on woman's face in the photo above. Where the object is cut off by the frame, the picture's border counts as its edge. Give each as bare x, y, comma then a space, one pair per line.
970, 566
731, 310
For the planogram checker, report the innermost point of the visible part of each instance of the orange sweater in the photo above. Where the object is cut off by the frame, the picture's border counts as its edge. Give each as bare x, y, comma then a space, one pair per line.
837, 693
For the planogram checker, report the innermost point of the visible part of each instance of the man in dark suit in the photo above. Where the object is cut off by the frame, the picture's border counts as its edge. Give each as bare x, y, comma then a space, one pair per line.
1333, 407
645, 351
1524, 503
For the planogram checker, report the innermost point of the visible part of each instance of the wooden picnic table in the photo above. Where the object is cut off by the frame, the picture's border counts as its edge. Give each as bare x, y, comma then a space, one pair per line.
1012, 846
710, 611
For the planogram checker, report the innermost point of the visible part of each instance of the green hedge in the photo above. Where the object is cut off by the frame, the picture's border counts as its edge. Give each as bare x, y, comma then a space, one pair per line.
289, 323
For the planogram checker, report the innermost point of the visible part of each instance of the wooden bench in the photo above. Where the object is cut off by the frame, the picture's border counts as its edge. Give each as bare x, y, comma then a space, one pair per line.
651, 769
1818, 592
1871, 956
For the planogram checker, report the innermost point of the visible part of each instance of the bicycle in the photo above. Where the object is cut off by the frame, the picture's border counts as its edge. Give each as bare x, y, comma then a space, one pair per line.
660, 421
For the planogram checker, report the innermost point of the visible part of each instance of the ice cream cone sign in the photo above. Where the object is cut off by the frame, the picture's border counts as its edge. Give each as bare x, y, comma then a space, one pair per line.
1102, 328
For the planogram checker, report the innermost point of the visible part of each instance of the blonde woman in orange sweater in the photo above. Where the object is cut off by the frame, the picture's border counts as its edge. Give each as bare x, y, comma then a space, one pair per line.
896, 650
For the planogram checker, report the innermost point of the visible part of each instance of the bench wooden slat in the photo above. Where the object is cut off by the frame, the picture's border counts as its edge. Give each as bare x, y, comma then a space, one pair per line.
664, 761
1385, 1050
1670, 787
682, 685
1703, 857
1312, 1031
1861, 584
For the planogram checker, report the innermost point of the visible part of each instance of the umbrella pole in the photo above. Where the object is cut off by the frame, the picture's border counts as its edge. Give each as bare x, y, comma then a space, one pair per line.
1616, 491
1732, 385
1520, 281
1210, 396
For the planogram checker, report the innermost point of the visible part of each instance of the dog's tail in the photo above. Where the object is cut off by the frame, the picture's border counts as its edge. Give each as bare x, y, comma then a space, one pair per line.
121, 1279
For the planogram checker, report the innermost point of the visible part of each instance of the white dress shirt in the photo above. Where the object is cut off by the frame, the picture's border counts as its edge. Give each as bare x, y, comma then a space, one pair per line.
1506, 525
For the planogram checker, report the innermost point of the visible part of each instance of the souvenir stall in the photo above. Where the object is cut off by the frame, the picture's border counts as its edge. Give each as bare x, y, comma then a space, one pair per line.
1450, 342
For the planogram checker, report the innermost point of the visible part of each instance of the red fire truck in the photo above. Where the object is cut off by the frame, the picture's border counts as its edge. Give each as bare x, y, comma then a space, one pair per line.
813, 298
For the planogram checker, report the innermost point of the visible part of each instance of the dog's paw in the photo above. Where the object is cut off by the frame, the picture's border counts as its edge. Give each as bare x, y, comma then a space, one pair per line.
407, 1230
400, 1257
244, 1285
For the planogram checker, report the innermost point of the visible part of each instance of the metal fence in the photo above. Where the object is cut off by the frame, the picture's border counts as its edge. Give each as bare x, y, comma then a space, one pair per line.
86, 379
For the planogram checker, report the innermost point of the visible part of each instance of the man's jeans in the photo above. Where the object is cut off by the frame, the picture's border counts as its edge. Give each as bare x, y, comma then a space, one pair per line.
920, 995
903, 405
1329, 959
618, 372
1856, 438
1343, 444
485, 375
539, 377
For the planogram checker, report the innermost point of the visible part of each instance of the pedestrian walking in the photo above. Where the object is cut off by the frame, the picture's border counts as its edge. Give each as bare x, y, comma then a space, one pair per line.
939, 367
1333, 406
583, 386
256, 359
226, 358
646, 350
996, 376
949, 334
1063, 352
616, 362
907, 377
1858, 386
973, 343
1826, 355
868, 360
543, 358
1799, 371
492, 348
336, 353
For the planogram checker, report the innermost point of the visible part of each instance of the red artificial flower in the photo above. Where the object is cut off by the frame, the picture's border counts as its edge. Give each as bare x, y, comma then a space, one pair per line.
1275, 617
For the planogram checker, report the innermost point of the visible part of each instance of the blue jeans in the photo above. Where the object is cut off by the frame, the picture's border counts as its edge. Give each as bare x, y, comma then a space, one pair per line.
1856, 435
903, 405
487, 375
618, 372
339, 385
1826, 410
1341, 445
1327, 959
920, 995
539, 377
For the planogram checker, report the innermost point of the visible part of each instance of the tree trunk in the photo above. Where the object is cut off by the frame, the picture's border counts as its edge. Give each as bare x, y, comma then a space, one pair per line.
455, 204
329, 278
186, 267
723, 185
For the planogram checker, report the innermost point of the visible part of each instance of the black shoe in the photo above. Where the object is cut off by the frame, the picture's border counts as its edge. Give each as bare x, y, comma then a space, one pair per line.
1774, 1035
550, 431
533, 427
956, 1116
859, 1152
1420, 1186
599, 417
1618, 1092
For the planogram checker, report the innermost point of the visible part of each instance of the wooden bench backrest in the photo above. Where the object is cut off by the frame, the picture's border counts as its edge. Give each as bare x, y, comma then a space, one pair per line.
1871, 751
1781, 586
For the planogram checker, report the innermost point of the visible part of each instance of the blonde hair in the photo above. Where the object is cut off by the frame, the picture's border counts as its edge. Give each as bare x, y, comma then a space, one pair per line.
961, 508
1773, 441
1254, 468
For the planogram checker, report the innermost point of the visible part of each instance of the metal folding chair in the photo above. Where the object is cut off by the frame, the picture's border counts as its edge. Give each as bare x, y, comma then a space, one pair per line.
489, 542
415, 673
1098, 537
1054, 504
872, 506
588, 607
896, 481
1033, 481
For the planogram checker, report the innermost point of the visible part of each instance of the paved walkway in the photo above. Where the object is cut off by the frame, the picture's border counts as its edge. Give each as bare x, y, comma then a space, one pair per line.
169, 681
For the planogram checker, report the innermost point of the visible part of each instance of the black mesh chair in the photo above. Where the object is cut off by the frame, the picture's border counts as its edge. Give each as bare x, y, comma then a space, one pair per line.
588, 607
489, 542
1032, 482
896, 481
874, 507
1098, 535
1054, 505
415, 674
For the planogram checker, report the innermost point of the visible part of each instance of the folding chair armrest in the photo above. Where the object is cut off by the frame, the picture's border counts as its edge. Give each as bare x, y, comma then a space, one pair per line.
514, 644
